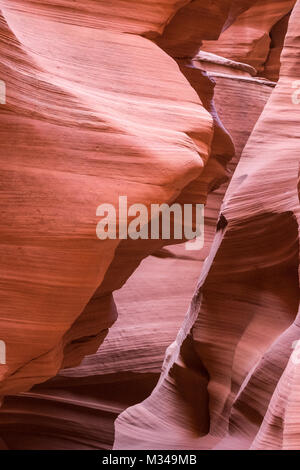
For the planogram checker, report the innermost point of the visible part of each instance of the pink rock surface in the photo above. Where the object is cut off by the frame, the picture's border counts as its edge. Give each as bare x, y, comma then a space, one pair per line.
62, 100
127, 366
229, 380
95, 128
249, 39
105, 99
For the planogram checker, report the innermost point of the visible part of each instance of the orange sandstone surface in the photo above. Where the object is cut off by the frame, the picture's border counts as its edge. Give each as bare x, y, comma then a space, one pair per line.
171, 101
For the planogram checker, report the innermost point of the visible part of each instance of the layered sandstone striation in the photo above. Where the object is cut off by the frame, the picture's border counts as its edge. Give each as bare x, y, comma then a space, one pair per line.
155, 102
234, 356
256, 36
96, 128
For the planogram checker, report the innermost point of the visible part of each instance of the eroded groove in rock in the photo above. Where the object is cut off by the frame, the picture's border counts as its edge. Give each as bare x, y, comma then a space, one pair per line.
244, 314
62, 100
102, 100
248, 39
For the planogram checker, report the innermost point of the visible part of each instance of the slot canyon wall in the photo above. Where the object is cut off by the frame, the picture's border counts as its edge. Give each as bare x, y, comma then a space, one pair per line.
140, 344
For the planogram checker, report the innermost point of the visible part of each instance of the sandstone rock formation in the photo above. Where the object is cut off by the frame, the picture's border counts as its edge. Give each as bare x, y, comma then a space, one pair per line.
63, 101
256, 36
156, 102
233, 356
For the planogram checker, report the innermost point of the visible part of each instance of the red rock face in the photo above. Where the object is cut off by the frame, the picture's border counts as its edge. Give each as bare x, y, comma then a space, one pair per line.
164, 102
74, 118
235, 347
256, 36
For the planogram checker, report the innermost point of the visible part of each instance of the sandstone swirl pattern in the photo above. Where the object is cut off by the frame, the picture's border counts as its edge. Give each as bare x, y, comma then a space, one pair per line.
154, 101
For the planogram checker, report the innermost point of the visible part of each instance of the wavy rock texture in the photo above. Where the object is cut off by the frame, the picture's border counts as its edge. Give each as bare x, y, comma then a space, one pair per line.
92, 104
144, 142
256, 37
104, 100
127, 366
230, 379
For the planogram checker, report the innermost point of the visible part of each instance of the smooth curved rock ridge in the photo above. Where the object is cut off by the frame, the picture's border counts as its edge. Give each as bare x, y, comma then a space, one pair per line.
85, 100
104, 100
253, 36
62, 100
210, 61
127, 365
119, 16
230, 379
197, 21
